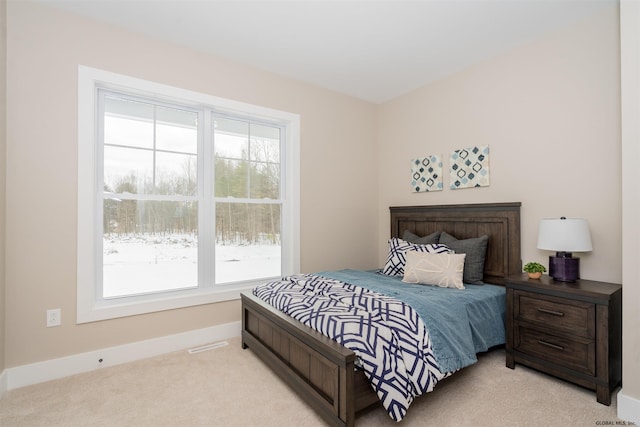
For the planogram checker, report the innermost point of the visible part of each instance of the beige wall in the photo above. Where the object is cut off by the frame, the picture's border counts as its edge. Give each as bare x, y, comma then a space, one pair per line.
550, 112
3, 145
45, 47
630, 64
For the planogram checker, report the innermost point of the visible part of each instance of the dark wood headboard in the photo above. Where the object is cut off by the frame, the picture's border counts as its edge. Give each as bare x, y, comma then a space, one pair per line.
500, 221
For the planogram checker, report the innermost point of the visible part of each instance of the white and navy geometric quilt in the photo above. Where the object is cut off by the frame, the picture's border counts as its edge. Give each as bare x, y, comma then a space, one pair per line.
389, 338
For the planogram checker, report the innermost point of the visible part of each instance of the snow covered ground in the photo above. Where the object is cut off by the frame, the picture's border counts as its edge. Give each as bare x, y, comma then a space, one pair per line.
152, 263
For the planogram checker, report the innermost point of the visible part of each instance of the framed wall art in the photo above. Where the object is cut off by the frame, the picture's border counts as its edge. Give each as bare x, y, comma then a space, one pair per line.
426, 174
469, 167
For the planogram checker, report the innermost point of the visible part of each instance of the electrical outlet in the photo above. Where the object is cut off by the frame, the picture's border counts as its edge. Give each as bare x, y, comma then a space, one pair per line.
54, 317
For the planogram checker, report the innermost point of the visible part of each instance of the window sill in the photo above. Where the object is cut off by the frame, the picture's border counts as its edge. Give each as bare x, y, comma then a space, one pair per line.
163, 302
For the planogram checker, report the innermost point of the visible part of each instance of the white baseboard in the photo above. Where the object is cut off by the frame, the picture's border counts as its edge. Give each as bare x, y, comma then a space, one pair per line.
628, 408
3, 383
34, 373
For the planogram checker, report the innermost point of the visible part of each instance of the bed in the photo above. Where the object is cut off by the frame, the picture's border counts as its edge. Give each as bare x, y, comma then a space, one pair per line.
323, 372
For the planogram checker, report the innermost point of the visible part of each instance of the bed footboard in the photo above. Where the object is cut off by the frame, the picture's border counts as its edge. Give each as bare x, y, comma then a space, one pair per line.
318, 369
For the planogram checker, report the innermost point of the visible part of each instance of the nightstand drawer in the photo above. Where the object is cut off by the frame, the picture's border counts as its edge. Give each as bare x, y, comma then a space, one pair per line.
575, 317
574, 353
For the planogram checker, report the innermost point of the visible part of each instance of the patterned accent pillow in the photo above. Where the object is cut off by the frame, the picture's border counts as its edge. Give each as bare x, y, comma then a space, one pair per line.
397, 248
444, 270
476, 250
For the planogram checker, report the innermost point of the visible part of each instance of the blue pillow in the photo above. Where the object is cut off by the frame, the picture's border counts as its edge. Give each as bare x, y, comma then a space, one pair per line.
476, 250
431, 239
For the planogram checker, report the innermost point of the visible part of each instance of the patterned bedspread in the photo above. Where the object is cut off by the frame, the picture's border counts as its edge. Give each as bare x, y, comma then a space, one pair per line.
388, 336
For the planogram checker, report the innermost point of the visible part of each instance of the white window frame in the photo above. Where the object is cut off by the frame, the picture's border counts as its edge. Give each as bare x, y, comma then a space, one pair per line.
90, 306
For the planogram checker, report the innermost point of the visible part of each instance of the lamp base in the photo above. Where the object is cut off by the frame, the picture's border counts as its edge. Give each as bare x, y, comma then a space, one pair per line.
564, 268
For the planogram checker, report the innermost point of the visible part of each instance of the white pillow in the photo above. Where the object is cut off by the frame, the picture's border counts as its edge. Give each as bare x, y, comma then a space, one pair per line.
444, 270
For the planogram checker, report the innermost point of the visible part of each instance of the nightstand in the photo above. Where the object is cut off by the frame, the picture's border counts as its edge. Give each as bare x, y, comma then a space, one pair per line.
570, 330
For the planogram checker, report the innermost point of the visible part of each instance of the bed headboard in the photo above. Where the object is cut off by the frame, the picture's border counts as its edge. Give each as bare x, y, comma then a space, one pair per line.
500, 221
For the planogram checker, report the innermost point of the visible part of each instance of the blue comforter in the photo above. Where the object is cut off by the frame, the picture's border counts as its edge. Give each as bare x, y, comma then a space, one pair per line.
461, 322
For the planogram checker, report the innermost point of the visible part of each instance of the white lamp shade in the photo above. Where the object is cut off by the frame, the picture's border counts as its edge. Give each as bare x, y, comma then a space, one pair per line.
564, 235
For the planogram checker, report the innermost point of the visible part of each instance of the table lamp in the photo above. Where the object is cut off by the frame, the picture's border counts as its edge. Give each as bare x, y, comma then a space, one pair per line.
564, 235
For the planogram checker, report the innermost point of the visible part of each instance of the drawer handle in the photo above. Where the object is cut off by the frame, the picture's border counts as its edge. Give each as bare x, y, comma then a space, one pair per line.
551, 312
548, 344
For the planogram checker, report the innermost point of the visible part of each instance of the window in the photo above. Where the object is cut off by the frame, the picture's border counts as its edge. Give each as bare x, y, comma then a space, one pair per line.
183, 198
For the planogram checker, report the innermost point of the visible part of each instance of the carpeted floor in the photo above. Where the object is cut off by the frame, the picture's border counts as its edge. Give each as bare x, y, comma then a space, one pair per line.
229, 386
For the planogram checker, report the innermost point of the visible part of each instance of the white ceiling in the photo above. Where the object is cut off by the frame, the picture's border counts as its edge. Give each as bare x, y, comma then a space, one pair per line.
372, 50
